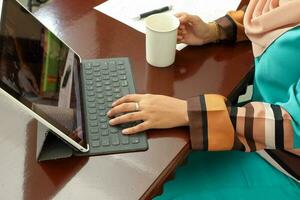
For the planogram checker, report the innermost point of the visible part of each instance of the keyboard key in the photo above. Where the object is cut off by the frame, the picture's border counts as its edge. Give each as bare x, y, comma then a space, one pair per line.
108, 93
97, 69
102, 107
120, 62
89, 82
114, 130
94, 130
96, 143
88, 66
111, 62
105, 72
114, 140
105, 66
100, 101
108, 88
104, 132
89, 77
117, 96
103, 119
121, 67
95, 137
106, 83
115, 79
134, 140
96, 65
90, 93
103, 126
88, 72
105, 77
124, 139
97, 74
99, 90
100, 96
91, 99
98, 79
116, 84
124, 83
102, 113
113, 68
109, 99
105, 141
122, 72
114, 74
92, 111
116, 90
94, 123
92, 105
98, 84
123, 77
93, 117
90, 88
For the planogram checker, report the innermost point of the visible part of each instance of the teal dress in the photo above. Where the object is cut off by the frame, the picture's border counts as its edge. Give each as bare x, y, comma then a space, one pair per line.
239, 175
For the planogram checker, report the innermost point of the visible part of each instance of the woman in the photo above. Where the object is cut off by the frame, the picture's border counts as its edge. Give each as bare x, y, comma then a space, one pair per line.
270, 121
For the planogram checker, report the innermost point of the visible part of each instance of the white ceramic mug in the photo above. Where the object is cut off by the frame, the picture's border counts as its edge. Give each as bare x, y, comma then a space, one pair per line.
161, 37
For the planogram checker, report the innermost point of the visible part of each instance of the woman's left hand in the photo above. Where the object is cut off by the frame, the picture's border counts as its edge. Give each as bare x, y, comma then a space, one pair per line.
156, 111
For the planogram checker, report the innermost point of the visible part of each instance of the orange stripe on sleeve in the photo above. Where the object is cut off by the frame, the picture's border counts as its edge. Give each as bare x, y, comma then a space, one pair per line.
220, 129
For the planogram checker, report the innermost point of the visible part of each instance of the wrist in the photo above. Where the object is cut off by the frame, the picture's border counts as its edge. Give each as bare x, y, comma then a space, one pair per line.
215, 32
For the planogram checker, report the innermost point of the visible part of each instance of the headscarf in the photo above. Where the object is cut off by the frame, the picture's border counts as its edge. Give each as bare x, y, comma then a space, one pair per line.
266, 20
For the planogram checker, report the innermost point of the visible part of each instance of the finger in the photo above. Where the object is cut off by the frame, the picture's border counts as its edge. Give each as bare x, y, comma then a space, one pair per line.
136, 129
194, 19
121, 108
190, 19
180, 14
129, 117
183, 32
179, 37
182, 27
182, 18
127, 98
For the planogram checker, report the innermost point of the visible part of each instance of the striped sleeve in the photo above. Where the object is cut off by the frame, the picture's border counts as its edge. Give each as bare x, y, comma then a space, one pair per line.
215, 126
231, 26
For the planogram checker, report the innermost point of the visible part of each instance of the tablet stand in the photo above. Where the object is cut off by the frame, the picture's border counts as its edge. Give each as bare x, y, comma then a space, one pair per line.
49, 146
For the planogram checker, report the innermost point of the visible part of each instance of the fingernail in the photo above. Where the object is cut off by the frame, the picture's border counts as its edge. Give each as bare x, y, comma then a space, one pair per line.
108, 113
125, 131
111, 122
113, 104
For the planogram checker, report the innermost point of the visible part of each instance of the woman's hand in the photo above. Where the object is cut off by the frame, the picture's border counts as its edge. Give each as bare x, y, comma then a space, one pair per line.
194, 31
156, 111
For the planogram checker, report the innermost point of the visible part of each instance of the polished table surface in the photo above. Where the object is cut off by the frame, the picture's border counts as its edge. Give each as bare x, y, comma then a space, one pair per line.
212, 68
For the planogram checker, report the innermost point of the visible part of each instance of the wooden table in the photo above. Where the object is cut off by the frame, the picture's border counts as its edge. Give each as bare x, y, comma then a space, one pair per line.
207, 69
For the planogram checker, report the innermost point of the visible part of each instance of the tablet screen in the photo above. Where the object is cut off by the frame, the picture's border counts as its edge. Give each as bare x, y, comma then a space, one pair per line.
40, 71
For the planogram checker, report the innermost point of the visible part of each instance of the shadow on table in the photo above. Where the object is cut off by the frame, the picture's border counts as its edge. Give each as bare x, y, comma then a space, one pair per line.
43, 180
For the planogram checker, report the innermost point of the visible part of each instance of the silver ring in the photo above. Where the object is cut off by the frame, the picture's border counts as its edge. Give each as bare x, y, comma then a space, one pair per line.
137, 106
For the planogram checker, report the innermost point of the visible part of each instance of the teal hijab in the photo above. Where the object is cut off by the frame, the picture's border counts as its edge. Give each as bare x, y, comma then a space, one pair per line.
239, 175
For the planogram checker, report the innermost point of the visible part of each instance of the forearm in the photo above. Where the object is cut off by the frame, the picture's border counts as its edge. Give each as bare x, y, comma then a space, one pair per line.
216, 127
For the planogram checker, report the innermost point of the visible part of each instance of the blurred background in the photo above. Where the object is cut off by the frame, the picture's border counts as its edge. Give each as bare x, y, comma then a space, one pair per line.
33, 5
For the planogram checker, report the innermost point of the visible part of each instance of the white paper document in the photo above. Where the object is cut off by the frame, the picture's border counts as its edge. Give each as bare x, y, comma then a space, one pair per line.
125, 10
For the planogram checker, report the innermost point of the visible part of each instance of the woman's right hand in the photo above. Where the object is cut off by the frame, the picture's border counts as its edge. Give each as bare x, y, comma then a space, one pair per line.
194, 31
